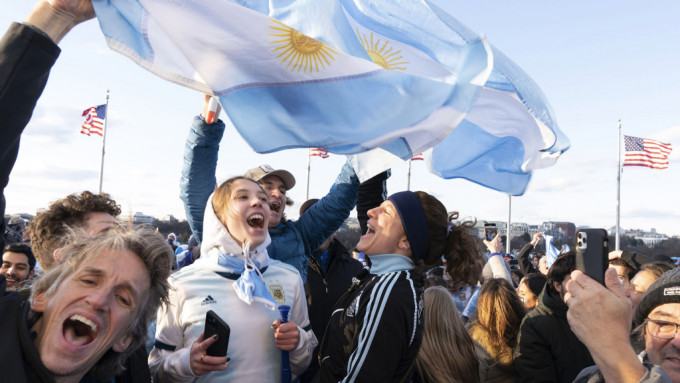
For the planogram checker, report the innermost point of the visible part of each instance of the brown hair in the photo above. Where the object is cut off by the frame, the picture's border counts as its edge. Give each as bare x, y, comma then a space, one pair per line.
454, 240
447, 353
158, 258
221, 196
499, 315
563, 266
630, 272
656, 269
49, 228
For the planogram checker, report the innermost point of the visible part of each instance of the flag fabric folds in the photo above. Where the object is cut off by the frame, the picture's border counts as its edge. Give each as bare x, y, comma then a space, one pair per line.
387, 79
646, 152
317, 152
94, 120
551, 252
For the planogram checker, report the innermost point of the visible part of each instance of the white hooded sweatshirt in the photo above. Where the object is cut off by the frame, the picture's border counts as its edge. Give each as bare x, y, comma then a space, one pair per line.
208, 285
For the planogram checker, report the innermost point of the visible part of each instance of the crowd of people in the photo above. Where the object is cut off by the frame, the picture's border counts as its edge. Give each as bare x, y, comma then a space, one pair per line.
87, 298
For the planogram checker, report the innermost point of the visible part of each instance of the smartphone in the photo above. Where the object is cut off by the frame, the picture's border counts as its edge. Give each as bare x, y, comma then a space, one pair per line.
215, 325
490, 231
592, 253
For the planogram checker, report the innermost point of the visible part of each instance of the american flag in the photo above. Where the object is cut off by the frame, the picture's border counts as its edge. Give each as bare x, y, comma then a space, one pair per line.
646, 152
318, 152
94, 120
419, 157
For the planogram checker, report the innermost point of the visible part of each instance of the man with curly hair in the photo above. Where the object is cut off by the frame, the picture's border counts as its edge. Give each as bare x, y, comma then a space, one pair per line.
94, 213
88, 314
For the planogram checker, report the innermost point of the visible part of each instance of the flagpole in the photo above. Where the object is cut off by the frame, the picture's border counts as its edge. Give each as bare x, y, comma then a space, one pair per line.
618, 193
507, 242
309, 166
106, 121
408, 176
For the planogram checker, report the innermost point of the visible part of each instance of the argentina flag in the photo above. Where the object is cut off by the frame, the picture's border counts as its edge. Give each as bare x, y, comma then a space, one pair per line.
551, 252
387, 79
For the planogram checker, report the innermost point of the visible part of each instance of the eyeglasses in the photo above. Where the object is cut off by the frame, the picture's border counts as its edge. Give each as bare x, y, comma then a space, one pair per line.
662, 329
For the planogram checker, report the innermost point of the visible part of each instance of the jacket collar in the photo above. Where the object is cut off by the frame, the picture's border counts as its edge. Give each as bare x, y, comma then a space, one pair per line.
551, 304
389, 263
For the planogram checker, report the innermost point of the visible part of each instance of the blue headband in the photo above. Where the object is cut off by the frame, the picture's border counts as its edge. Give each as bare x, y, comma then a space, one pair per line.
413, 220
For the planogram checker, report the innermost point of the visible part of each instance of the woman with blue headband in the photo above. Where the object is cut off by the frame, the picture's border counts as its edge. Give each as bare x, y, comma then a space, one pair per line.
376, 328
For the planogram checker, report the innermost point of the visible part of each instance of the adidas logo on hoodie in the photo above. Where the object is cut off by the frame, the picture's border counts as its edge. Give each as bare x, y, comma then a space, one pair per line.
208, 300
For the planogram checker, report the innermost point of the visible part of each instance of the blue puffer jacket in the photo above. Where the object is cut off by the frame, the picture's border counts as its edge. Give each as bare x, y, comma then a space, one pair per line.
291, 240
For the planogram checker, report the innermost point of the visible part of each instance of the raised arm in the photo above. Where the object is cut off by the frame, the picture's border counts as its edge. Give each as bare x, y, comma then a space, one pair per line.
27, 53
372, 193
326, 216
57, 17
523, 255
198, 170
496, 262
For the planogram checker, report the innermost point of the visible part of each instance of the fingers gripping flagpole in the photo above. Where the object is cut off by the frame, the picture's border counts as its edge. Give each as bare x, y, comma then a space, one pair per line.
106, 121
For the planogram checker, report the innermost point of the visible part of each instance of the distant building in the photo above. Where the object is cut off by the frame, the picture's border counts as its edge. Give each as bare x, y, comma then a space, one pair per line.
168, 218
559, 230
517, 229
138, 218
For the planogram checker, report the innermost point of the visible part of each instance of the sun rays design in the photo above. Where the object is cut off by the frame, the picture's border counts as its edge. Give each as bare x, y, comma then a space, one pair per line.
300, 52
382, 55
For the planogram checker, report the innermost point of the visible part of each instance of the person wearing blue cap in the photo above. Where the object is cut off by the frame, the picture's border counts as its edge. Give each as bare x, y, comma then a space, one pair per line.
376, 330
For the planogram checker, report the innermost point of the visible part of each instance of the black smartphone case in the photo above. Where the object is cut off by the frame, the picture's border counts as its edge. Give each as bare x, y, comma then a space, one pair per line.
592, 253
215, 325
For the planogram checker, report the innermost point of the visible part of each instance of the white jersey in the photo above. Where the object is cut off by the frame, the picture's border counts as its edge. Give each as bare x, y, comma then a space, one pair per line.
206, 285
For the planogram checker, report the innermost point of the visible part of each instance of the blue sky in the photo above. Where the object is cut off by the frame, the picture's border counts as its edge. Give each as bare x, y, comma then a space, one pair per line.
597, 62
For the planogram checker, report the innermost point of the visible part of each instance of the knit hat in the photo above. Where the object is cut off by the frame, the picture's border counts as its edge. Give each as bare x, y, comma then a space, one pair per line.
664, 290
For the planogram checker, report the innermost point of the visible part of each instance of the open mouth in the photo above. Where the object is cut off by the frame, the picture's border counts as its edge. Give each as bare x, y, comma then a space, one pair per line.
79, 330
256, 221
275, 206
10, 281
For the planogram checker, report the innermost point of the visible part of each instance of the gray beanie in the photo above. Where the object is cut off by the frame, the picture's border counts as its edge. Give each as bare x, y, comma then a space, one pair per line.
664, 290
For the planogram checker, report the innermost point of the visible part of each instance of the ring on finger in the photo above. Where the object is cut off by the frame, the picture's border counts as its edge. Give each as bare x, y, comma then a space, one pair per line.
202, 358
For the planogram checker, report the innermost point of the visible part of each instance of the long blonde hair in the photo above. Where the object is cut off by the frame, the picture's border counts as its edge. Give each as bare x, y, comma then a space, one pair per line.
447, 353
499, 315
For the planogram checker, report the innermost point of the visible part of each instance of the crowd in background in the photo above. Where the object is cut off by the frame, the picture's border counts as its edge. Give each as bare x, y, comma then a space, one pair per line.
87, 298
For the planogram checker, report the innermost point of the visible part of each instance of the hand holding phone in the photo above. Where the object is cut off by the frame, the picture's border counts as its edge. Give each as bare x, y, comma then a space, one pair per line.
215, 325
490, 231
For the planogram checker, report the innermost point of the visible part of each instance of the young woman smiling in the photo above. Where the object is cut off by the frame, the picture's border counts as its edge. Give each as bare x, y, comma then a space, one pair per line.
375, 331
236, 279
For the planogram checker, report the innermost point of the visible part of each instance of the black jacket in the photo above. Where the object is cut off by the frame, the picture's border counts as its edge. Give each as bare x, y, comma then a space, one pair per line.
525, 264
19, 359
26, 57
324, 289
375, 333
547, 350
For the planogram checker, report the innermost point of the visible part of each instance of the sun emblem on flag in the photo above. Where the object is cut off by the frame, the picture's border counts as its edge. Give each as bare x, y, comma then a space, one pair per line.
382, 55
300, 52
